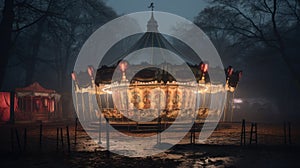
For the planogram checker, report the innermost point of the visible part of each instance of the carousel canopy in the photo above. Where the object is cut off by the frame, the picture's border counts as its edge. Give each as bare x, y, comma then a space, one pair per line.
151, 39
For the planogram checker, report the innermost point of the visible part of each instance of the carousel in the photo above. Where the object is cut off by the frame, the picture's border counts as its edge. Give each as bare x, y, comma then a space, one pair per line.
151, 93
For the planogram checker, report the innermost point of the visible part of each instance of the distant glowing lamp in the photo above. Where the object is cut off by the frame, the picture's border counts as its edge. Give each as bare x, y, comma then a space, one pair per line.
91, 71
240, 74
73, 75
229, 71
237, 101
123, 66
74, 78
204, 69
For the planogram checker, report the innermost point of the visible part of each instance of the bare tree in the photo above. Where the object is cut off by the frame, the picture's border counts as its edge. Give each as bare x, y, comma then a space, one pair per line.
6, 27
47, 32
16, 17
255, 23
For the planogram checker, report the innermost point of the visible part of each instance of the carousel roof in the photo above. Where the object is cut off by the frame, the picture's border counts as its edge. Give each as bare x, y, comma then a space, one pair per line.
35, 87
151, 39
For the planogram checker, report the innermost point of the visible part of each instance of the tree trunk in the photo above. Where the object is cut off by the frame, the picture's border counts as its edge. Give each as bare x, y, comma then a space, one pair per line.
30, 70
6, 26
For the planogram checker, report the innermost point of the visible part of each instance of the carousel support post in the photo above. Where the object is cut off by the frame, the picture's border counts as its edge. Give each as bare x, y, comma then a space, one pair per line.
100, 117
196, 113
82, 105
127, 110
193, 129
76, 100
159, 120
224, 111
90, 105
99, 130
91, 74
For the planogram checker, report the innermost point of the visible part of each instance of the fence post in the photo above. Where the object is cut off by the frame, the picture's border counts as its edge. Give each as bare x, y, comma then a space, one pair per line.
243, 133
12, 138
57, 138
76, 124
256, 133
284, 132
41, 134
68, 139
62, 138
18, 140
251, 132
25, 139
290, 136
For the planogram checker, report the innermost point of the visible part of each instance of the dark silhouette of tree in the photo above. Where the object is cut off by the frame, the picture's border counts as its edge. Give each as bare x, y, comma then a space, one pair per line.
16, 17
47, 34
254, 24
6, 27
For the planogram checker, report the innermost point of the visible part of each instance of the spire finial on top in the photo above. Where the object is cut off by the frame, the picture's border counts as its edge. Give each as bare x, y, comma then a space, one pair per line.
152, 23
151, 6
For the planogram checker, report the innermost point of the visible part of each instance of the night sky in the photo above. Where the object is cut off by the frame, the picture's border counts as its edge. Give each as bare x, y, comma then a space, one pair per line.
187, 9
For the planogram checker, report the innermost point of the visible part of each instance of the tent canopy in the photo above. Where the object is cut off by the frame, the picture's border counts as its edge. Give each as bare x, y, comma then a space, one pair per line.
36, 89
5, 106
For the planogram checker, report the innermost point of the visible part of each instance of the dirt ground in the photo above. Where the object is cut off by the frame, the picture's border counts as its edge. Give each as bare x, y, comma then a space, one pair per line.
222, 149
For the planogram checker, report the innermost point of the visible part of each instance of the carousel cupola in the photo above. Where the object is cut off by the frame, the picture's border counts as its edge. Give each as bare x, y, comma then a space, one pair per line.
152, 25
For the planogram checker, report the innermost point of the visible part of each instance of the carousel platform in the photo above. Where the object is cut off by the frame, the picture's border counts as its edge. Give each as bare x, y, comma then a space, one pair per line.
144, 127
